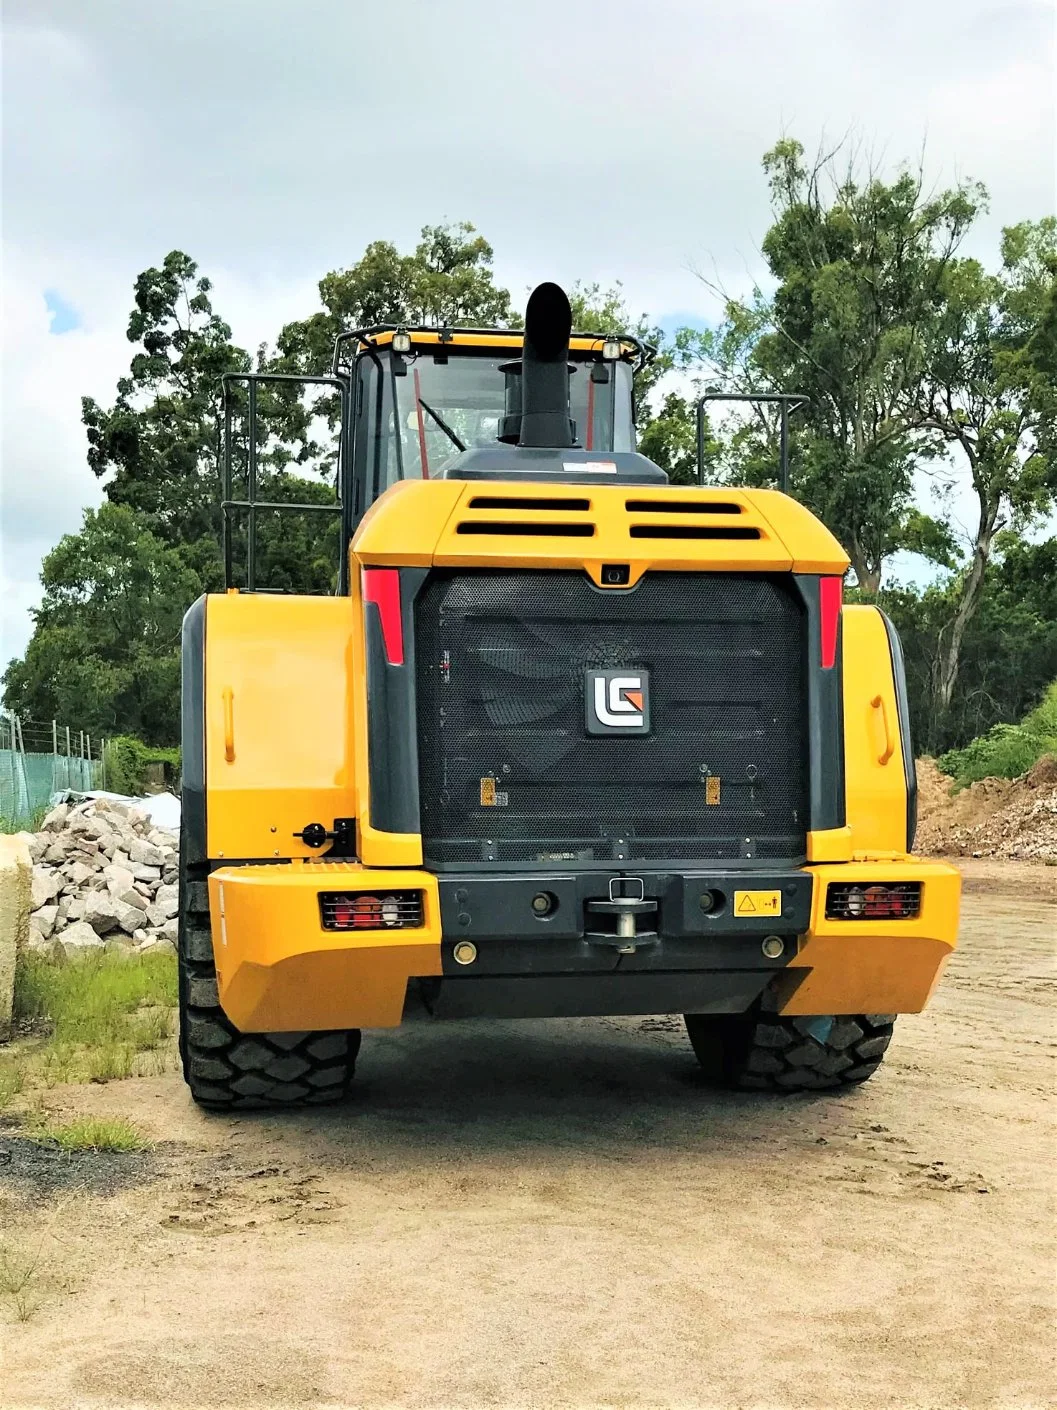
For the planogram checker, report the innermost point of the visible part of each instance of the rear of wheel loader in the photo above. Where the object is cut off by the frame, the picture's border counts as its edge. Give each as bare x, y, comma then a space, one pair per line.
568, 741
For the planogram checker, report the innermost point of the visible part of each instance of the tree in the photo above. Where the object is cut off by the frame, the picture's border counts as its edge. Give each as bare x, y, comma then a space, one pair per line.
447, 281
105, 650
160, 443
1009, 650
990, 390
159, 446
860, 265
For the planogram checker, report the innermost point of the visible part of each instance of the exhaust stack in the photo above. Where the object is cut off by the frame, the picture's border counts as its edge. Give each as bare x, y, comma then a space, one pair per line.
545, 419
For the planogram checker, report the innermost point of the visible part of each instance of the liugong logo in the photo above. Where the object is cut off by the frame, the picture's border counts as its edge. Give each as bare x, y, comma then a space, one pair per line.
617, 700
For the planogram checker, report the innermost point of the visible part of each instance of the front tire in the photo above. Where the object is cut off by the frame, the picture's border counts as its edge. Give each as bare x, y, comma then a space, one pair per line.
765, 1052
227, 1070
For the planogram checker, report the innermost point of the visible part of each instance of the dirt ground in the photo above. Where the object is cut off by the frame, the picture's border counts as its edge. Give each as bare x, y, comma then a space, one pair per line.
561, 1214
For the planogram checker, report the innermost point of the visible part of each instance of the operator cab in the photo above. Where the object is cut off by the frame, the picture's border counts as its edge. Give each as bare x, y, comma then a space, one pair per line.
434, 404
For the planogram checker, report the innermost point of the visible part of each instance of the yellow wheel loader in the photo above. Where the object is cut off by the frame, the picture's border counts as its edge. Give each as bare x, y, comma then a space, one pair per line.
568, 740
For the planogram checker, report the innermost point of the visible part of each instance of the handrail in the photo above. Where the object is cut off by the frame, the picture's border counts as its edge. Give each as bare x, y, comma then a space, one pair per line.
789, 401
343, 505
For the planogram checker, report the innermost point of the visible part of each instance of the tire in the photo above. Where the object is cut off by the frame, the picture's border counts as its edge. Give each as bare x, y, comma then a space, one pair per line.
765, 1052
227, 1070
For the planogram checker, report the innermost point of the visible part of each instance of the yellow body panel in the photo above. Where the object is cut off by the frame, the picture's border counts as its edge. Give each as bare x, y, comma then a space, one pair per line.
874, 966
875, 777
831, 845
426, 337
416, 523
279, 971
279, 691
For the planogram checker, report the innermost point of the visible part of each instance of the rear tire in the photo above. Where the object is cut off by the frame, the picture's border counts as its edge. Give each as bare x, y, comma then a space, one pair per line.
227, 1070
765, 1052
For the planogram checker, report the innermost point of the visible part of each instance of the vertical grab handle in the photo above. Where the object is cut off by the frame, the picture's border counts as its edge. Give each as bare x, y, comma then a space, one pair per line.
229, 724
889, 748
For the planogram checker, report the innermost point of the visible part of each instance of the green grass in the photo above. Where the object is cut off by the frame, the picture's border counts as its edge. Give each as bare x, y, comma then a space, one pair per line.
103, 1018
26, 822
93, 1134
18, 1271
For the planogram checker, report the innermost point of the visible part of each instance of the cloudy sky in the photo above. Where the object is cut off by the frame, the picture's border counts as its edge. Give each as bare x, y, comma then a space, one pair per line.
272, 141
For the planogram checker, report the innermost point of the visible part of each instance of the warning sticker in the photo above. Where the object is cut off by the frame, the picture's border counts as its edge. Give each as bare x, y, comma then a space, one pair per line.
592, 467
492, 797
757, 903
712, 788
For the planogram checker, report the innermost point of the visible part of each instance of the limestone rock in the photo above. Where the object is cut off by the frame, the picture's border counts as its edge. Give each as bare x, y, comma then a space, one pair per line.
146, 853
46, 886
44, 920
132, 897
101, 911
167, 901
79, 941
158, 947
117, 878
53, 821
78, 874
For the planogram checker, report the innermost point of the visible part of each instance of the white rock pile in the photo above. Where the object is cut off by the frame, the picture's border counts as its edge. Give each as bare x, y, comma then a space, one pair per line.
104, 879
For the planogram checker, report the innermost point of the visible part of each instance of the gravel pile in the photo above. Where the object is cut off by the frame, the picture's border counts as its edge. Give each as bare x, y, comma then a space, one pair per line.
104, 878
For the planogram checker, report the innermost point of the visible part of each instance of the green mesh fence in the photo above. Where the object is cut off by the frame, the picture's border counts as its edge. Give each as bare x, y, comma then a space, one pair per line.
27, 781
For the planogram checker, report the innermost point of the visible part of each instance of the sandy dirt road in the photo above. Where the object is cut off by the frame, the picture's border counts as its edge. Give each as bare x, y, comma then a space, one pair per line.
561, 1214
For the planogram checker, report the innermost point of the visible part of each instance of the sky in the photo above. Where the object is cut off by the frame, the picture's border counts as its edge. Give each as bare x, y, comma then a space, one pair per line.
272, 142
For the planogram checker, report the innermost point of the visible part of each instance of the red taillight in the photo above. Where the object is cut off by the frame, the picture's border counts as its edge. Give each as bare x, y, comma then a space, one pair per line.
898, 900
367, 913
352, 910
830, 591
382, 587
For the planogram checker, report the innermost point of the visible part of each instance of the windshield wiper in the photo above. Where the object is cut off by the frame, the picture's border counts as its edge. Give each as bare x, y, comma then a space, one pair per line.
442, 424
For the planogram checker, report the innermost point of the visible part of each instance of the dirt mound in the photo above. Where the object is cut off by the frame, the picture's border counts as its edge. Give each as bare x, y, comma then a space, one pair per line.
996, 817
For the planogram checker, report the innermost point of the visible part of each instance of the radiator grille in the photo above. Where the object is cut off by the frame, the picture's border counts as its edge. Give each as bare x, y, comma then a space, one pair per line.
508, 771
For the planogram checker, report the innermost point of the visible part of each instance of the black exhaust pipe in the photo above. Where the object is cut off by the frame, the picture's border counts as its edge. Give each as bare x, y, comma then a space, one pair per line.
545, 419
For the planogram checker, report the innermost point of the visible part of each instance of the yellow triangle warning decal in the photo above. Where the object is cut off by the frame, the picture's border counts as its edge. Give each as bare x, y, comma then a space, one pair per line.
746, 905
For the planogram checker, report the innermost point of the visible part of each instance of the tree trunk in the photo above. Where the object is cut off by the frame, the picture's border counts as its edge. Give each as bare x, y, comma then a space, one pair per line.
947, 664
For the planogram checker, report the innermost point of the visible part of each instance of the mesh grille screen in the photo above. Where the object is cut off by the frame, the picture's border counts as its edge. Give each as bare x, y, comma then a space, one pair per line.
502, 660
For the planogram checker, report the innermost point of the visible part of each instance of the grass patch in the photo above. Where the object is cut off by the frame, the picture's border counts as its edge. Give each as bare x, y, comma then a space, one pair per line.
93, 1134
95, 1020
19, 1270
24, 822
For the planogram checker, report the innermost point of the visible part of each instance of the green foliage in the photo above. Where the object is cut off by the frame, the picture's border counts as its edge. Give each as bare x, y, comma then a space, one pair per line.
106, 645
1006, 751
1008, 655
861, 266
87, 1133
127, 761
447, 280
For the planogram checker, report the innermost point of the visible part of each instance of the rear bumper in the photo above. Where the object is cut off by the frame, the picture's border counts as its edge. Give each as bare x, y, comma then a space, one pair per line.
278, 969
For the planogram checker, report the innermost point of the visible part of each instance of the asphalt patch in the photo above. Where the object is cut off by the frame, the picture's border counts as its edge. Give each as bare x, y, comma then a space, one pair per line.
39, 1169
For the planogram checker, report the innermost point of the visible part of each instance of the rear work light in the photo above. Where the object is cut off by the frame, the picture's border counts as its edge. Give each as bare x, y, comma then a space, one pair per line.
890, 900
361, 910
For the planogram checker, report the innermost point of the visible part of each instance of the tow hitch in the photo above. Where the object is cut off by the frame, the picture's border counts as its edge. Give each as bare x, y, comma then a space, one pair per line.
620, 914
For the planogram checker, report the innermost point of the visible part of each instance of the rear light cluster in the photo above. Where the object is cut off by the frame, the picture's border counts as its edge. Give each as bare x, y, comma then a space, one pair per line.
360, 910
899, 900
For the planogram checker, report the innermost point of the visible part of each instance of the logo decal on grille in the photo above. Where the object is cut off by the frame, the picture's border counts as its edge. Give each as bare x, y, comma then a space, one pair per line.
617, 700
